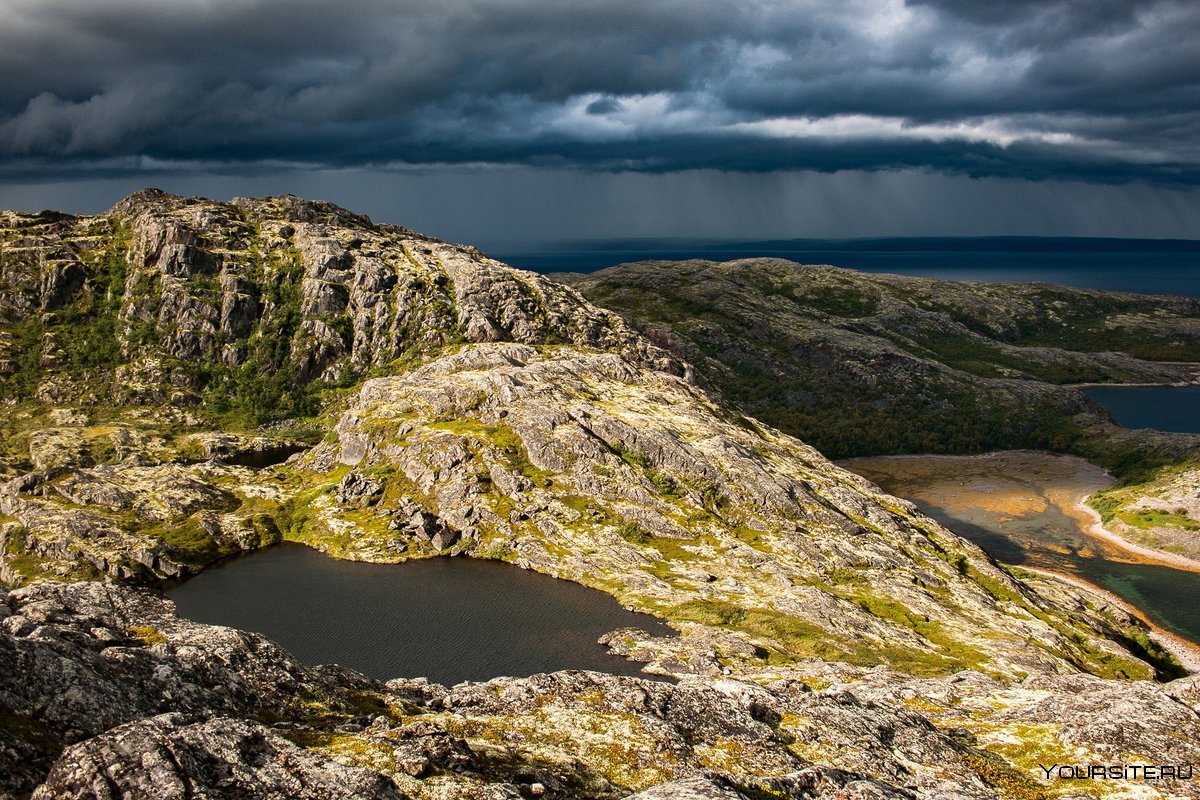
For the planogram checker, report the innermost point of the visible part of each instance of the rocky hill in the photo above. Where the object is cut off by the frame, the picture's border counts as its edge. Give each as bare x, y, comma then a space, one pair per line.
105, 693
848, 360
414, 398
867, 364
246, 306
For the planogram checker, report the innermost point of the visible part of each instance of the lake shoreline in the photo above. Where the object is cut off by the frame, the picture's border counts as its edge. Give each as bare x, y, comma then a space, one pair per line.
1094, 528
1195, 381
995, 491
1171, 385
412, 618
1186, 652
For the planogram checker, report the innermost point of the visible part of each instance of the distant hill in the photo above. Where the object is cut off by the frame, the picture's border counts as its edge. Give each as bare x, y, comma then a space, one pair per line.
864, 364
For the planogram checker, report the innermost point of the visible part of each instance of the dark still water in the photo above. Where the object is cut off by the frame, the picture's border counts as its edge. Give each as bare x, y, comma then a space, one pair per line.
1022, 507
1144, 266
1164, 408
447, 619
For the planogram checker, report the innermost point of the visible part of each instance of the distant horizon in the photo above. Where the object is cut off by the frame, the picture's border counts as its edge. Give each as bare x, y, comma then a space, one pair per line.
519, 207
1124, 264
611, 243
478, 228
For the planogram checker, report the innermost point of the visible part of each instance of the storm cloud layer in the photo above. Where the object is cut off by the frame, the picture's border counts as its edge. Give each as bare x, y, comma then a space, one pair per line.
1096, 90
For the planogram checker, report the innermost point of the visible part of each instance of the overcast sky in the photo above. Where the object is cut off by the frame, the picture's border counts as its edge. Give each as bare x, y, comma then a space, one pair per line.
521, 120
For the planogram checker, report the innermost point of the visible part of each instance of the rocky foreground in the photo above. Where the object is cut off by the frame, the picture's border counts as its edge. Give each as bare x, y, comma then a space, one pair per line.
185, 380
106, 693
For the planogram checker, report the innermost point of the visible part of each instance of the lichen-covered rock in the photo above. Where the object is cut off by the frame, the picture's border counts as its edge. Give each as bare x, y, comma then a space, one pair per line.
522, 423
79, 659
166, 758
106, 693
586, 466
848, 360
283, 286
697, 788
505, 418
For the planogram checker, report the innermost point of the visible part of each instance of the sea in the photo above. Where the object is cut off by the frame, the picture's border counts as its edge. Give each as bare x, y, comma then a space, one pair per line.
1144, 266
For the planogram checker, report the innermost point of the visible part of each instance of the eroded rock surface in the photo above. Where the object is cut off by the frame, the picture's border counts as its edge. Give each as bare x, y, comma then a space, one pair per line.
165, 758
105, 693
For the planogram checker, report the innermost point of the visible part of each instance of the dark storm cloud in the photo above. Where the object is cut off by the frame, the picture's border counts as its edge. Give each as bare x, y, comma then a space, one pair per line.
1093, 89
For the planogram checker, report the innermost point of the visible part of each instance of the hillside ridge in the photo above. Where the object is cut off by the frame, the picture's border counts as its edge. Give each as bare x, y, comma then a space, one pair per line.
277, 369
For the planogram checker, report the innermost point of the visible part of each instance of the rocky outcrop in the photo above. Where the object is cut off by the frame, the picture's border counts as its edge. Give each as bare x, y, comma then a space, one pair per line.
847, 361
252, 289
105, 693
82, 659
165, 758
135, 519
524, 424
577, 464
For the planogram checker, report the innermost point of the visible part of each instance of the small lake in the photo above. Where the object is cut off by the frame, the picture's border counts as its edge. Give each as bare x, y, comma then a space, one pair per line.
447, 619
269, 457
1020, 507
1164, 408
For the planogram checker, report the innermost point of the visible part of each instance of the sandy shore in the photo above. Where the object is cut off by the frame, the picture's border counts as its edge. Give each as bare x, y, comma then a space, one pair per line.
1097, 530
1071, 500
1091, 523
1186, 652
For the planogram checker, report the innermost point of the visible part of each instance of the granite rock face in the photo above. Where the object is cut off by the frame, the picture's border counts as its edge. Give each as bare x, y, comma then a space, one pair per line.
134, 326
578, 464
300, 288
847, 361
164, 758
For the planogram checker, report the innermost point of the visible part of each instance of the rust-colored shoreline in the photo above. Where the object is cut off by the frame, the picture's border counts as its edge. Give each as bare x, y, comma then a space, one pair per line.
1092, 524
1073, 502
1150, 555
1188, 653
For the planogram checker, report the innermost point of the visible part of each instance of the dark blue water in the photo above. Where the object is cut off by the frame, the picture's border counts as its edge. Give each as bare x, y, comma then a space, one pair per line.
1145, 266
1164, 408
447, 619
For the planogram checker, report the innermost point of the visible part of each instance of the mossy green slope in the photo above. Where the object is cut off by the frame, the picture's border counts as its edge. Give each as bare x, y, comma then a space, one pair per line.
504, 417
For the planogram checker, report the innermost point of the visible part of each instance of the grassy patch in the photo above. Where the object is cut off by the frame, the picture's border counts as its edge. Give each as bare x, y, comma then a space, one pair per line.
189, 543
1001, 776
634, 533
788, 638
147, 635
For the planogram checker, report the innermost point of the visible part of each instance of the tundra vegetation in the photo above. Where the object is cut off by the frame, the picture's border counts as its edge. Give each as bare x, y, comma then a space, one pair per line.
185, 380
859, 364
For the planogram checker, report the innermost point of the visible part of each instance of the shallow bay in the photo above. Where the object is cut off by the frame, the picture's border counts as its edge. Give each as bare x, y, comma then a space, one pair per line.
1021, 507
